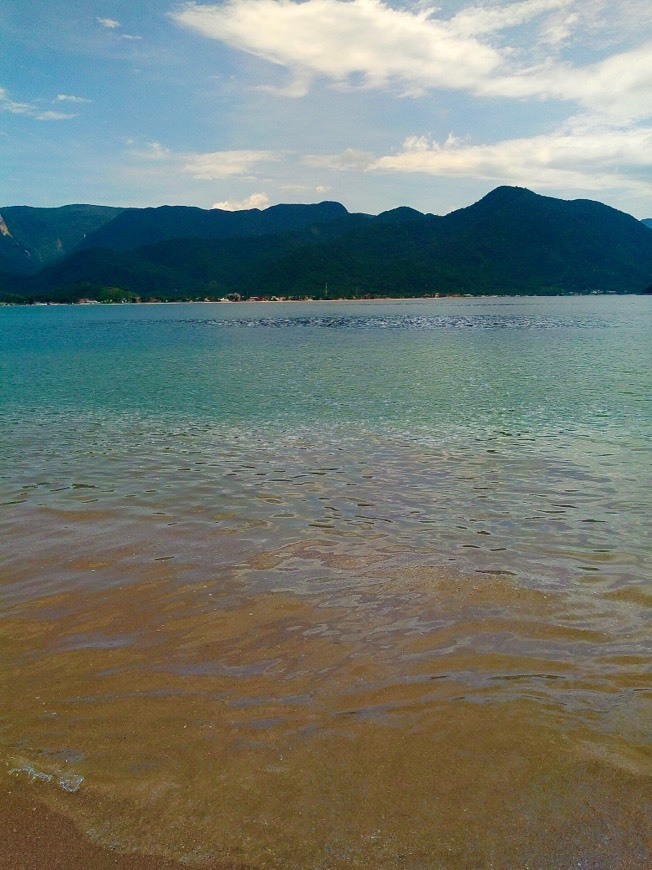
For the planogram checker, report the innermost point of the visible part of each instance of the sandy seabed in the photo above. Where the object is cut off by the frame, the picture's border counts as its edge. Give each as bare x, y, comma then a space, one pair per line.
423, 719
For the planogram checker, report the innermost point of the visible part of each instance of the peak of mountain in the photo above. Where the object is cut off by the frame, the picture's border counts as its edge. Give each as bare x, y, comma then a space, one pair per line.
506, 194
647, 222
502, 197
523, 213
402, 213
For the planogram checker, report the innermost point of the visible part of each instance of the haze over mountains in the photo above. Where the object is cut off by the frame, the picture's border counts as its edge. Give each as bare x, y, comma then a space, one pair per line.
511, 241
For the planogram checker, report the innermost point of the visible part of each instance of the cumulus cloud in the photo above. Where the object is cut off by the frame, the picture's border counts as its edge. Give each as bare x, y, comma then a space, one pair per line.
583, 155
109, 23
256, 200
222, 164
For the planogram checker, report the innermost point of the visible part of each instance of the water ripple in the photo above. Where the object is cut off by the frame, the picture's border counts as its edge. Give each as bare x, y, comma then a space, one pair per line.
407, 321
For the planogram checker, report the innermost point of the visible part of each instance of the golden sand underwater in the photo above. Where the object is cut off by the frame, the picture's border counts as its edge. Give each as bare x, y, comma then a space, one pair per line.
413, 717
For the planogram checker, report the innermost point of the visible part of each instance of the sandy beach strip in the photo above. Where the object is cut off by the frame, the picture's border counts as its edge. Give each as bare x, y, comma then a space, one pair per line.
34, 837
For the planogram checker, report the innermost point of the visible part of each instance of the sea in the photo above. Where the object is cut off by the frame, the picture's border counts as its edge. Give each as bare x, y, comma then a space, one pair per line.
332, 584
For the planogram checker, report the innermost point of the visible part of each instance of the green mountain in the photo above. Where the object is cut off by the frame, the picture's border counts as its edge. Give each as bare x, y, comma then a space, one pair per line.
511, 241
31, 238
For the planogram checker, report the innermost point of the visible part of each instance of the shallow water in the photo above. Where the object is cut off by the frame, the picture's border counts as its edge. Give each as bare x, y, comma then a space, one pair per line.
332, 585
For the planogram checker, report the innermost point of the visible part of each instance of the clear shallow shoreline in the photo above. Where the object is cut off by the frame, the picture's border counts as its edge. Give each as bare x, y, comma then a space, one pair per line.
380, 717
416, 717
327, 593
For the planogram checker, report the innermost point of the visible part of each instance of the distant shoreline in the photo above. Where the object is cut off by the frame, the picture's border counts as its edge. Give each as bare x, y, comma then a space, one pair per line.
282, 299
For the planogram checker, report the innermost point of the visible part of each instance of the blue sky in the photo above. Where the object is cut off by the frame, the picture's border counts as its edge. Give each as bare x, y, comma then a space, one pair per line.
255, 102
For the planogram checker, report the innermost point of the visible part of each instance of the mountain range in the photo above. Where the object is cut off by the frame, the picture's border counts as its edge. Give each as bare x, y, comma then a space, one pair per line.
512, 241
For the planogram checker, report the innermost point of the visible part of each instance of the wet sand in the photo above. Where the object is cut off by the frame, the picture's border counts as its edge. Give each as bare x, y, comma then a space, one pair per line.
414, 718
34, 837
369, 801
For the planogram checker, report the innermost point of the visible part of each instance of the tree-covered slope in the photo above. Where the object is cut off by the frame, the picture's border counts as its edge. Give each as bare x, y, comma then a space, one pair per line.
519, 238
511, 241
136, 227
31, 238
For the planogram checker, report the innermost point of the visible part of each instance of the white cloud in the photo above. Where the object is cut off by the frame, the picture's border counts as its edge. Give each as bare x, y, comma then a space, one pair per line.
29, 110
109, 23
256, 200
150, 151
298, 87
560, 29
68, 98
200, 165
53, 116
306, 188
340, 40
222, 164
582, 155
483, 49
129, 36
350, 159
483, 20
606, 23
9, 105
620, 86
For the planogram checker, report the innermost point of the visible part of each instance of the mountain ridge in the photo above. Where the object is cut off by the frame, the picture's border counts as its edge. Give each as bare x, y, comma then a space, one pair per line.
510, 241
135, 228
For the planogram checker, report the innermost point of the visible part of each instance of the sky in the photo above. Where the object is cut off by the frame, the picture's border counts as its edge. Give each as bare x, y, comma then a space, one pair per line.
249, 103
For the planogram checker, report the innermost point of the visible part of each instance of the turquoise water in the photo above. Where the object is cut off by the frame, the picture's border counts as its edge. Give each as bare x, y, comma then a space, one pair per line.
351, 458
526, 421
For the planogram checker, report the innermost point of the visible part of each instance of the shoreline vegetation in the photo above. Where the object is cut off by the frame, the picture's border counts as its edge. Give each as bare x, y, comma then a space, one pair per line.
129, 300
